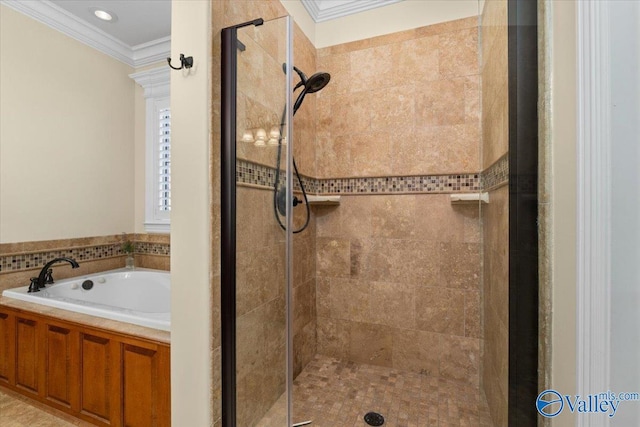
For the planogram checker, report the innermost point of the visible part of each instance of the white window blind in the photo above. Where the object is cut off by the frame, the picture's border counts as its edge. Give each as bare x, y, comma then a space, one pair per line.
164, 160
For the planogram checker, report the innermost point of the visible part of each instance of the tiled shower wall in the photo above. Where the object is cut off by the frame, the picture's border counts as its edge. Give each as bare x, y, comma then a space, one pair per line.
261, 357
401, 104
495, 215
20, 261
398, 284
398, 275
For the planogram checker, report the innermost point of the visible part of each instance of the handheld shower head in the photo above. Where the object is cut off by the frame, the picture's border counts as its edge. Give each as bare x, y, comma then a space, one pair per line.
317, 82
313, 84
302, 75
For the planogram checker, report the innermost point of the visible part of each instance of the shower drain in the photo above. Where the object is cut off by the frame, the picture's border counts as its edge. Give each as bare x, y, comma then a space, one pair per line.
374, 419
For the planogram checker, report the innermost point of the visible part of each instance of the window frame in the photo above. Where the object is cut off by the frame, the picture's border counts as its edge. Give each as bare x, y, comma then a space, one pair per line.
156, 84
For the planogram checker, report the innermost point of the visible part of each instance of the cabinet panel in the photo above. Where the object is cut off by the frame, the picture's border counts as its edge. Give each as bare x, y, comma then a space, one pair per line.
105, 378
139, 366
27, 354
95, 394
145, 375
7, 349
61, 365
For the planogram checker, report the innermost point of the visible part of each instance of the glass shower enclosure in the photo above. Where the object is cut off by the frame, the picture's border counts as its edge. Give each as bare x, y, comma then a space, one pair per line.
256, 195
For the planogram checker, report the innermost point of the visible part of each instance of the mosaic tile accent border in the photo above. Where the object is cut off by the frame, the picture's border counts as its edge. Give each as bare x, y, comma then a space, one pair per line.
145, 248
255, 174
28, 260
264, 176
402, 184
496, 174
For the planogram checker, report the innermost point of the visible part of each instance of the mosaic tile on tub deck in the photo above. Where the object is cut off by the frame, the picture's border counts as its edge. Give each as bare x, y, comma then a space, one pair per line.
336, 393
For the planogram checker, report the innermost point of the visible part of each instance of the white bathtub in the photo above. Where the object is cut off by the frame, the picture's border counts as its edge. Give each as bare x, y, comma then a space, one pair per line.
139, 296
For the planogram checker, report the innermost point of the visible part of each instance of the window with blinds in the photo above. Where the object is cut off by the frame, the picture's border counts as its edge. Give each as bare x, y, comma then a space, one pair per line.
164, 160
157, 163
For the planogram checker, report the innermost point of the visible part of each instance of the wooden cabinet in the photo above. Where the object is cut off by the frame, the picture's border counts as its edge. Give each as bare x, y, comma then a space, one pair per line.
61, 361
27, 355
7, 348
105, 378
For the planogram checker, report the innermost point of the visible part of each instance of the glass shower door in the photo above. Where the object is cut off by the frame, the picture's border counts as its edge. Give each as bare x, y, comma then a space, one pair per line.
258, 203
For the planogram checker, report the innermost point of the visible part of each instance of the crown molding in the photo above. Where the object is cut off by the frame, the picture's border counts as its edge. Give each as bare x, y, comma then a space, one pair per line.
53, 16
150, 52
320, 14
155, 82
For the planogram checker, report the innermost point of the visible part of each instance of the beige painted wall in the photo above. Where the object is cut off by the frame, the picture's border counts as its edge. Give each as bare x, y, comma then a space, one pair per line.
393, 18
191, 328
66, 136
561, 94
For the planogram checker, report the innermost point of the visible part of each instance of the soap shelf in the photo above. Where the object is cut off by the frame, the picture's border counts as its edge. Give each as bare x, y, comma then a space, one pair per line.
323, 200
465, 198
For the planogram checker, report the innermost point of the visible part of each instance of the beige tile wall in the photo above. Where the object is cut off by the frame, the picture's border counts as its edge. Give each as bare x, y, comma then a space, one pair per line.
261, 321
495, 373
12, 279
261, 302
398, 275
495, 215
495, 112
401, 104
398, 283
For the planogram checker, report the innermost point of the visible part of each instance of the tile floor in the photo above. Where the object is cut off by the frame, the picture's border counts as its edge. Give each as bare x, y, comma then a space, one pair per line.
15, 411
335, 393
332, 393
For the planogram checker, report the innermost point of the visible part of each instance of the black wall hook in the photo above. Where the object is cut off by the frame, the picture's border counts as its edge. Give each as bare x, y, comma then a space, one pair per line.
184, 62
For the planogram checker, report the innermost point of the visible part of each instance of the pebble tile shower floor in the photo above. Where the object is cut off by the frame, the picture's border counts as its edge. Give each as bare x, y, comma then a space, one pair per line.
335, 393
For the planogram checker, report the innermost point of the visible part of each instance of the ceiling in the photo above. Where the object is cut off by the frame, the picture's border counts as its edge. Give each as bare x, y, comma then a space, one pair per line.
138, 22
141, 34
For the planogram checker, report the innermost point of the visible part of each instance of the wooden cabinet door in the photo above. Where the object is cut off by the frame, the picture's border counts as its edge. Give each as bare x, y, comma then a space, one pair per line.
100, 382
7, 348
27, 354
61, 366
146, 385
101, 377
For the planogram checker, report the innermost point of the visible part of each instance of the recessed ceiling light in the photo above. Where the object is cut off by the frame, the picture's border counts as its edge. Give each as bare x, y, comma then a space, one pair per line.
104, 15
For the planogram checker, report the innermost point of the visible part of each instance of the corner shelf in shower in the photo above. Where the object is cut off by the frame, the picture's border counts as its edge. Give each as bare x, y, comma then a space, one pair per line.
323, 200
465, 198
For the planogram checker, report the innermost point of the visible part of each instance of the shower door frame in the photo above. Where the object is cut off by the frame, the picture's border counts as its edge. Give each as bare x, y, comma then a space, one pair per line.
523, 206
228, 209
